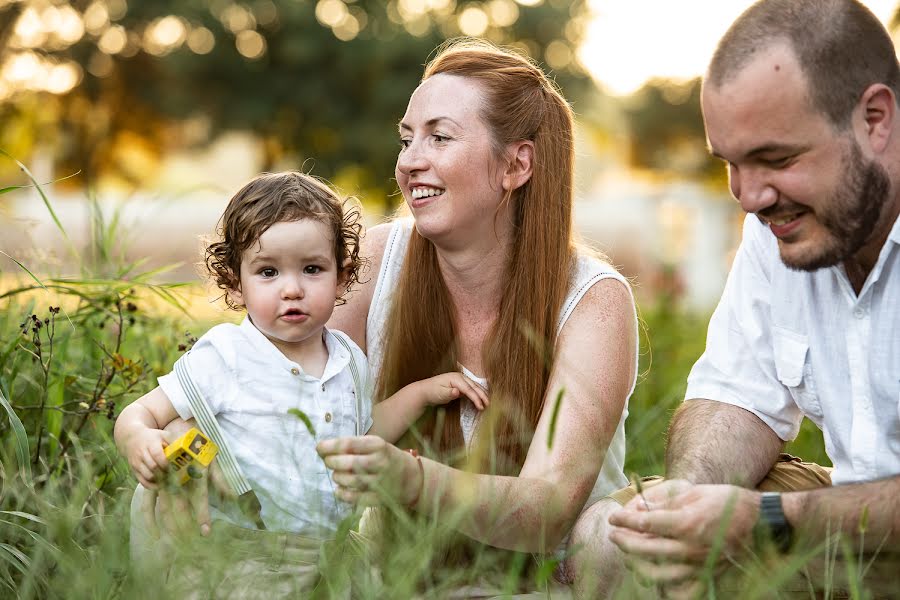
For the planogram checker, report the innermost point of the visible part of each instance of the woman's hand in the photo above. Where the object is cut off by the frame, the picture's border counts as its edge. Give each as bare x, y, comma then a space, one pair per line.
445, 388
368, 469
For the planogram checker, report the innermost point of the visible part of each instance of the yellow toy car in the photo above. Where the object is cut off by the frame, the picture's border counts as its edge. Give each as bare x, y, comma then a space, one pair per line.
190, 452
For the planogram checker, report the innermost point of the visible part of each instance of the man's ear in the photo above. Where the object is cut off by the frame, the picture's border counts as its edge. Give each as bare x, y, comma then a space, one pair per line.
879, 111
521, 166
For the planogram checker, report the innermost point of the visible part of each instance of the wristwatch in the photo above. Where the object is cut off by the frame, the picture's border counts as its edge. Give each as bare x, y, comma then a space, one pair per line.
773, 522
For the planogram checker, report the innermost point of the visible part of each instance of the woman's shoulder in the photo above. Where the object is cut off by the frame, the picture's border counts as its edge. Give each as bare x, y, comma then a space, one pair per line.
376, 247
590, 263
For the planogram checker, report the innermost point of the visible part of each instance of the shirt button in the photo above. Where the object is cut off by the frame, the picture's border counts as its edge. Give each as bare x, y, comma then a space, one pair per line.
295, 371
323, 387
859, 313
328, 417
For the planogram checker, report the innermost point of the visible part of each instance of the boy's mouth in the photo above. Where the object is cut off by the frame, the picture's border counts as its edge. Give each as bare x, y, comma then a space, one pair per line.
294, 314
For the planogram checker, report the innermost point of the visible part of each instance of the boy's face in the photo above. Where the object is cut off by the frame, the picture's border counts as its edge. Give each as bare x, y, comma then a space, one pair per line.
289, 282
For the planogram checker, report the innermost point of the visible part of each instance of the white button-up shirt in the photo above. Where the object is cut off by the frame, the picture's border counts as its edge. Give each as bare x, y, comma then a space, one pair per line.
786, 344
250, 386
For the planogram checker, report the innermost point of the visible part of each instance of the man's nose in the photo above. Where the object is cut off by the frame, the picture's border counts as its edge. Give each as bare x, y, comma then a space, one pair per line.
752, 189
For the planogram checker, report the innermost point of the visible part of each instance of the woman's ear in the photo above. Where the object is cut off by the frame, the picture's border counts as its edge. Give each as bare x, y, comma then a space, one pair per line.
521, 155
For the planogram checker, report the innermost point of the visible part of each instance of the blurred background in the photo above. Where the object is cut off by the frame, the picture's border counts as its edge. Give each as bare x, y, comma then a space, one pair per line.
152, 113
158, 110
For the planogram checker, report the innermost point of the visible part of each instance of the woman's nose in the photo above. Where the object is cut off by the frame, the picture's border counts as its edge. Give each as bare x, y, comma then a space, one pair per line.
411, 159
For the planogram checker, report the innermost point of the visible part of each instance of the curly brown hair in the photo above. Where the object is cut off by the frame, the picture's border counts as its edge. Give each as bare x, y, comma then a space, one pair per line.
273, 198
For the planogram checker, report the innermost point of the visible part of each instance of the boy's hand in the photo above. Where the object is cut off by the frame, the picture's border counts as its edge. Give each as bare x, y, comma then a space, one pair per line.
146, 455
445, 388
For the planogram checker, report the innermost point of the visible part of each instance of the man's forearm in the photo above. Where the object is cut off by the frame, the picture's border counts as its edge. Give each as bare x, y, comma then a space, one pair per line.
715, 442
867, 513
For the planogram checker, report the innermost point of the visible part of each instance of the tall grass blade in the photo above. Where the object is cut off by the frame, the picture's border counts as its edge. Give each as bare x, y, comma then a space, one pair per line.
553, 417
24, 515
22, 452
305, 418
46, 200
15, 557
12, 188
24, 268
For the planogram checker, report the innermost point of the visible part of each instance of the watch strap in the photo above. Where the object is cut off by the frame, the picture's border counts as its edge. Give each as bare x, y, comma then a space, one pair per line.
773, 521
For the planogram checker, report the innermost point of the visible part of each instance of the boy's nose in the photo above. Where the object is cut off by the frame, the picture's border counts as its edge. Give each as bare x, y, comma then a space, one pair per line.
291, 288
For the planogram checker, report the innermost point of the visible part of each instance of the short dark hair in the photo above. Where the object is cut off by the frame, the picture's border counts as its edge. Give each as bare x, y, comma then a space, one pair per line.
841, 46
273, 198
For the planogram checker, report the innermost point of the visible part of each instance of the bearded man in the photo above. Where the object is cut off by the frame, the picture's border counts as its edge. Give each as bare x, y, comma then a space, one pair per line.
800, 101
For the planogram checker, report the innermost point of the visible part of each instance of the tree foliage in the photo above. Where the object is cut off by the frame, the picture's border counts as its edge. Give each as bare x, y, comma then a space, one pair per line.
324, 79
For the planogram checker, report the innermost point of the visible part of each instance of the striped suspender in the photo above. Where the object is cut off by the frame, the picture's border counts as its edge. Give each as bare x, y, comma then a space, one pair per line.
205, 418
357, 380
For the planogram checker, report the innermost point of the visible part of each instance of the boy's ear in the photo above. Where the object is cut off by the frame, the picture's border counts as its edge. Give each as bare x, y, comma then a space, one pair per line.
234, 292
343, 279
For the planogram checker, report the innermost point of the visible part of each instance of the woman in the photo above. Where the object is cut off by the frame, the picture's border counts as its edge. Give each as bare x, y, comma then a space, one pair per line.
488, 280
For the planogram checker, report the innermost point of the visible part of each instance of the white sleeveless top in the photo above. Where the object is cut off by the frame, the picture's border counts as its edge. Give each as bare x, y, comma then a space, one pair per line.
588, 271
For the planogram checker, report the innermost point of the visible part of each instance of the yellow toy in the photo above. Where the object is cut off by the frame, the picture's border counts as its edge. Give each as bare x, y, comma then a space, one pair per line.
191, 451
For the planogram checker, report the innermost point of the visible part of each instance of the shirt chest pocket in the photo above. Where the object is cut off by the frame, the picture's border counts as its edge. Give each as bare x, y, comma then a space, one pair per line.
794, 371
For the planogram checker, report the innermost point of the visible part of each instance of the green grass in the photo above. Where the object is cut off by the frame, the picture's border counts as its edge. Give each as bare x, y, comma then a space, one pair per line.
66, 373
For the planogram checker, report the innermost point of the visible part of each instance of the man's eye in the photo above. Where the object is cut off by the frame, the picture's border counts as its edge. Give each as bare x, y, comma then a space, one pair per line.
440, 138
268, 272
778, 163
404, 143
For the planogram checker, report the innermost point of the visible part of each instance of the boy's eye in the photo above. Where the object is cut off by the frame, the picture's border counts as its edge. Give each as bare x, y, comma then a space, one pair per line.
312, 269
268, 272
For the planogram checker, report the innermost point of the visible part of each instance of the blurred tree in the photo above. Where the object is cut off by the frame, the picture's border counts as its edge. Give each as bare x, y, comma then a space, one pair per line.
326, 79
667, 131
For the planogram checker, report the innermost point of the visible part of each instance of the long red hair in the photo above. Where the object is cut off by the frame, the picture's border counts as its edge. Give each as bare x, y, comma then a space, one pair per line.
521, 103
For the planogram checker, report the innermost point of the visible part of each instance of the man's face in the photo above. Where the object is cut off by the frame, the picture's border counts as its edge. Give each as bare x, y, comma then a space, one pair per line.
807, 181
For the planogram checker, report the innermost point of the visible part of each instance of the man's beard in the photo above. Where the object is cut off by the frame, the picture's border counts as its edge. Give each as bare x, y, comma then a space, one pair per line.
850, 215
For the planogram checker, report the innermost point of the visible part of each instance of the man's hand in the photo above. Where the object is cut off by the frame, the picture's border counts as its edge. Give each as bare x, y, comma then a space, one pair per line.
685, 527
368, 467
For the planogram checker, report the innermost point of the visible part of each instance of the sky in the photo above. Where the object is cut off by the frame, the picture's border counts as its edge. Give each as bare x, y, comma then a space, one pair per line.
631, 41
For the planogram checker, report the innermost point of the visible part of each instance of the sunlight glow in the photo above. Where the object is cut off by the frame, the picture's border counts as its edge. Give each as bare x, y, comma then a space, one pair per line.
630, 42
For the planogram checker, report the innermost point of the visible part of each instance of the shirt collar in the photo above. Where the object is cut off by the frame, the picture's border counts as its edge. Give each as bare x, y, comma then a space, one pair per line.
338, 357
894, 235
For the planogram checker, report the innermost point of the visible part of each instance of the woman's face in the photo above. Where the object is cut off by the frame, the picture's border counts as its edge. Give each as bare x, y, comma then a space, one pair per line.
446, 168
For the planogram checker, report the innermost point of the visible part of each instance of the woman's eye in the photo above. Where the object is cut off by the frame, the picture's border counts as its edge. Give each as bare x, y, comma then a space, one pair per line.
268, 272
404, 143
440, 138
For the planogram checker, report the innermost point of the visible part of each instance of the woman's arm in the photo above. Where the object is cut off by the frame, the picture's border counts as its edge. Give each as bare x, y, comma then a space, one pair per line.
595, 367
351, 317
